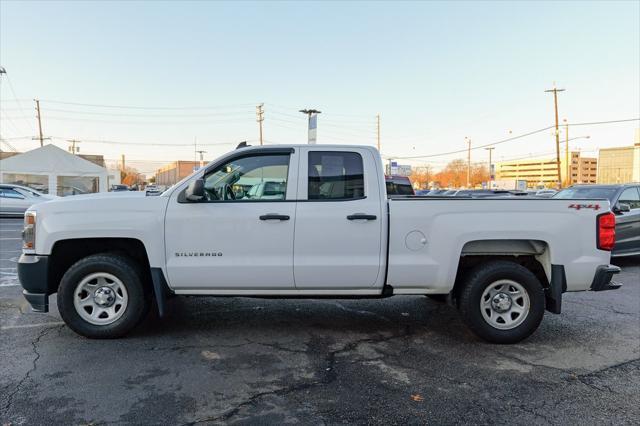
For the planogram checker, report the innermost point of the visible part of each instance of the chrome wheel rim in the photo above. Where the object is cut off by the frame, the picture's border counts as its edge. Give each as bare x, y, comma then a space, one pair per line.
100, 298
505, 304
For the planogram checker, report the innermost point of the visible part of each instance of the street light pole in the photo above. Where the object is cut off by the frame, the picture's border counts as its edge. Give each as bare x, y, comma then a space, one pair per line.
567, 167
468, 161
311, 113
568, 179
201, 158
490, 176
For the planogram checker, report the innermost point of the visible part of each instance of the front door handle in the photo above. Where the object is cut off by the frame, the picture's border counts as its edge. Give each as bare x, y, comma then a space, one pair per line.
273, 216
361, 216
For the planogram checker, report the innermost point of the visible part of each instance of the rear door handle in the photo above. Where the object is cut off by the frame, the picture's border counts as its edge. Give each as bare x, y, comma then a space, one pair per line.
273, 216
361, 216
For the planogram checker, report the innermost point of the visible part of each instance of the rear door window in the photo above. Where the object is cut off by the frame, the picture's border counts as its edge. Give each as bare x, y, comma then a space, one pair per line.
335, 176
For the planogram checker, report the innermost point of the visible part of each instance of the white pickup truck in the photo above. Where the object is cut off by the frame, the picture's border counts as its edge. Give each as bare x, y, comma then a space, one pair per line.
320, 226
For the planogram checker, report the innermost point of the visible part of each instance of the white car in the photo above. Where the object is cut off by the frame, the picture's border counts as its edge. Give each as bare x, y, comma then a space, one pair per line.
16, 199
333, 233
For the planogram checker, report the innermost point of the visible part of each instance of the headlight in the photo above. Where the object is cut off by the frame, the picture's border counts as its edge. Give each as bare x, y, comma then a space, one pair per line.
29, 231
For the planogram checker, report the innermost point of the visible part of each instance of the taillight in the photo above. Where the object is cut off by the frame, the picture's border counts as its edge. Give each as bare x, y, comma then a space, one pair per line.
606, 231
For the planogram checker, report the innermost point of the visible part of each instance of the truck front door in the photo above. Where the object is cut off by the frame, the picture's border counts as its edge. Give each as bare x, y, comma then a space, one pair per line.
240, 236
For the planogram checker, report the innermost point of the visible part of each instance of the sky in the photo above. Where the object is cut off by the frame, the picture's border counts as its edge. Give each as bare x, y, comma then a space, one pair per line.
436, 72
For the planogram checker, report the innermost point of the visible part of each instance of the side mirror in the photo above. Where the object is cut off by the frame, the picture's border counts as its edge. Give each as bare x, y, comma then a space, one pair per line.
195, 190
621, 208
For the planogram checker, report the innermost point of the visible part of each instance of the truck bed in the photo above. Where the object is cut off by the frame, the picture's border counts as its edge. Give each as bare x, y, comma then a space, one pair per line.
423, 251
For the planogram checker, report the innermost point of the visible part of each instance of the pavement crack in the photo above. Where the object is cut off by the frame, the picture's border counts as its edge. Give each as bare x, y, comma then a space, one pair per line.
604, 308
328, 375
27, 376
252, 399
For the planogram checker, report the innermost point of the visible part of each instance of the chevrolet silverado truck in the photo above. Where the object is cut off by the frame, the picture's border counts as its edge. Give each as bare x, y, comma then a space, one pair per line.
311, 221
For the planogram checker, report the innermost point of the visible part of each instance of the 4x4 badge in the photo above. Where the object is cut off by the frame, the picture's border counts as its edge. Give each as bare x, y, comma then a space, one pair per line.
584, 206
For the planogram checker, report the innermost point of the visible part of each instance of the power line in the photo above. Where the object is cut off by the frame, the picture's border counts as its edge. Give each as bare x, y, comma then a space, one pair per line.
479, 146
96, 120
146, 107
604, 122
101, 141
216, 114
13, 92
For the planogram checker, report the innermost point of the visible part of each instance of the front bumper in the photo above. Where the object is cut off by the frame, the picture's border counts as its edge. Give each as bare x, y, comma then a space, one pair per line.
602, 279
33, 273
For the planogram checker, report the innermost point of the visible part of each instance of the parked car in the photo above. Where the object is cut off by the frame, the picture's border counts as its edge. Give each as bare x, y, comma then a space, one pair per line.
16, 199
118, 188
625, 203
398, 185
334, 234
267, 191
483, 193
545, 193
436, 192
66, 190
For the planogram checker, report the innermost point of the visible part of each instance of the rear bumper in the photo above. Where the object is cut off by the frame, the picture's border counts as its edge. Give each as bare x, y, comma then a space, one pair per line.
602, 279
33, 275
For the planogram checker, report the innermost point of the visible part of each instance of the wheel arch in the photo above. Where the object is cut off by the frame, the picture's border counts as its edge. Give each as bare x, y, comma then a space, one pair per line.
65, 253
532, 254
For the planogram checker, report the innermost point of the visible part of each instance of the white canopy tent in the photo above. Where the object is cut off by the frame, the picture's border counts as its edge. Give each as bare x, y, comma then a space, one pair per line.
55, 171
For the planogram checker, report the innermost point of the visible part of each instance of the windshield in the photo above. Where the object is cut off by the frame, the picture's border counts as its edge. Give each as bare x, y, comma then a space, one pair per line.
587, 193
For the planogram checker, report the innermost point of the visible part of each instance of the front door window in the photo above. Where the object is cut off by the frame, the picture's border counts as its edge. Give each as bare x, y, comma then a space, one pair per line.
252, 178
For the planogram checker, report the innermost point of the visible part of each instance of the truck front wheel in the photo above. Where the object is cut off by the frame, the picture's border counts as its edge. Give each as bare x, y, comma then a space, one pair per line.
501, 302
102, 296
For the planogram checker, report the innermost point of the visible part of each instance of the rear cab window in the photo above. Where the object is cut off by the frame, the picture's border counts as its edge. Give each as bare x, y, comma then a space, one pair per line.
335, 175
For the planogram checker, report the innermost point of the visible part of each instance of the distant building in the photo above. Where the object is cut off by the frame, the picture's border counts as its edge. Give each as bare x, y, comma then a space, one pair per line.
537, 172
583, 169
540, 172
619, 165
176, 171
95, 159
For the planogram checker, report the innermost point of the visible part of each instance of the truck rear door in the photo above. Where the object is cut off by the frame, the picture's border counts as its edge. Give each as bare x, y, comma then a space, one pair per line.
338, 240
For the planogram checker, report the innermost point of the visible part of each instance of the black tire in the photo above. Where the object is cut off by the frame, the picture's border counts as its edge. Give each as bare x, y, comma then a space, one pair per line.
127, 271
474, 285
440, 298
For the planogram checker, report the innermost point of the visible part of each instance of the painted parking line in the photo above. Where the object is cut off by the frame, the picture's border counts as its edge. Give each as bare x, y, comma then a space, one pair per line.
45, 324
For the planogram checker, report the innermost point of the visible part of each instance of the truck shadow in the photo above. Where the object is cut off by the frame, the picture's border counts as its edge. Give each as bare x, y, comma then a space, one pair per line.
408, 314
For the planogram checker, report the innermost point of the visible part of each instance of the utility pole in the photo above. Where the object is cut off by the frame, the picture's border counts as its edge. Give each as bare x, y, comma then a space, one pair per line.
378, 130
555, 104
260, 118
468, 162
41, 138
123, 163
201, 159
312, 124
567, 166
490, 149
73, 148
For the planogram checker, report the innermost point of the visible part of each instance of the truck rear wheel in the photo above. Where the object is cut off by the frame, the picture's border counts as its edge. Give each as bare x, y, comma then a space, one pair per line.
102, 296
501, 302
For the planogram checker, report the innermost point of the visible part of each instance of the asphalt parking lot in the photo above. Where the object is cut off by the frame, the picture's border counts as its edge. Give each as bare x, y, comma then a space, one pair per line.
393, 361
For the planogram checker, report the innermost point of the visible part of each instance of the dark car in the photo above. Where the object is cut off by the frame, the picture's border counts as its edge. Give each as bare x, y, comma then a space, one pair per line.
625, 203
398, 185
116, 188
483, 193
